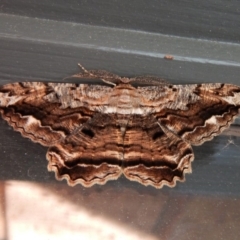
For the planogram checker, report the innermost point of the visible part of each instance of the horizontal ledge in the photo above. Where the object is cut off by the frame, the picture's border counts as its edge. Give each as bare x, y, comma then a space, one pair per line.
119, 40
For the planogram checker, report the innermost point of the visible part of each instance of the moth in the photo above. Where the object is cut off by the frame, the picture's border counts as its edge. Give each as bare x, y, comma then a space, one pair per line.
95, 133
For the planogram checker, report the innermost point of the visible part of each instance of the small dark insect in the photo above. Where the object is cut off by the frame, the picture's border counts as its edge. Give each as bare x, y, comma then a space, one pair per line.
168, 57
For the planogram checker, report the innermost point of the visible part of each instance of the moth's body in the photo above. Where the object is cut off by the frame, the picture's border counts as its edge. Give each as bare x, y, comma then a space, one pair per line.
124, 100
96, 133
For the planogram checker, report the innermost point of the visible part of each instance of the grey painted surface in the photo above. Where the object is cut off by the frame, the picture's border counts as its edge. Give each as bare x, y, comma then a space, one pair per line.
50, 50
212, 19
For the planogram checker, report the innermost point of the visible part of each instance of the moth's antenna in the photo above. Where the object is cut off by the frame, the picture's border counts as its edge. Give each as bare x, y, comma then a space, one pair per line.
94, 76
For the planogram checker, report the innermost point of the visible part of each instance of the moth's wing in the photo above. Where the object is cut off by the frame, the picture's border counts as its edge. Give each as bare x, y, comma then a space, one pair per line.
158, 149
153, 155
48, 112
90, 155
55, 115
196, 113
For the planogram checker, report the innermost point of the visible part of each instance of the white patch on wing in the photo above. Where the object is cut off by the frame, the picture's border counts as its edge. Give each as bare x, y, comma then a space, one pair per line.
212, 120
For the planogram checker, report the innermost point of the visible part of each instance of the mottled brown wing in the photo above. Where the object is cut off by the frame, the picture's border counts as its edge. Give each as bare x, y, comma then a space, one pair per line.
153, 155
54, 115
197, 112
92, 154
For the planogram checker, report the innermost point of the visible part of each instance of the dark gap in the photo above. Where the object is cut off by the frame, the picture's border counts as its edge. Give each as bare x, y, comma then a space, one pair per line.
88, 132
147, 163
157, 135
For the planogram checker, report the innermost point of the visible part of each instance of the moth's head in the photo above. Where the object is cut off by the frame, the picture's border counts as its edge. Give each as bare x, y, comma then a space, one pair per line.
125, 80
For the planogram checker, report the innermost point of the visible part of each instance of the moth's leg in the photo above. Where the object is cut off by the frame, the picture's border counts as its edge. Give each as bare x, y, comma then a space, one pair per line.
152, 80
105, 76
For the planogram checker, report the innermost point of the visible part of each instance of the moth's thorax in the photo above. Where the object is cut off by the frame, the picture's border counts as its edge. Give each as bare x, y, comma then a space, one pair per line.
124, 100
